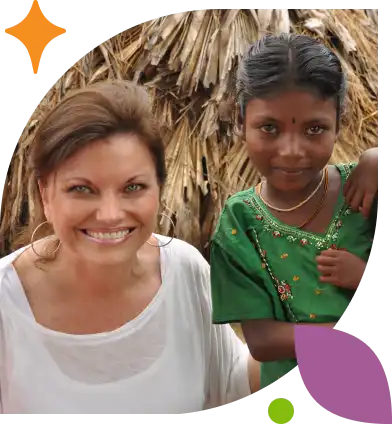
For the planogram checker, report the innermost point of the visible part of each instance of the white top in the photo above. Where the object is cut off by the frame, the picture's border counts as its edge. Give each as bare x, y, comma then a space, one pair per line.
170, 359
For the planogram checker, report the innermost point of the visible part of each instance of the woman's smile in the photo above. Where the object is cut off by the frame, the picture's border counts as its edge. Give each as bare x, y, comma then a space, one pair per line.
113, 236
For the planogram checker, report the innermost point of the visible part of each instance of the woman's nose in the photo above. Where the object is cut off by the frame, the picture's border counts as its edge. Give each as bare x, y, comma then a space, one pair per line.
110, 209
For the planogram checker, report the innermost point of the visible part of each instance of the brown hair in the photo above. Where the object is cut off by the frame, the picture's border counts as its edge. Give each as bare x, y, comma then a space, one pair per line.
89, 114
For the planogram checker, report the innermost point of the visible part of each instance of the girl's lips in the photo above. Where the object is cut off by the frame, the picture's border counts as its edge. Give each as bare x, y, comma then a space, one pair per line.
291, 172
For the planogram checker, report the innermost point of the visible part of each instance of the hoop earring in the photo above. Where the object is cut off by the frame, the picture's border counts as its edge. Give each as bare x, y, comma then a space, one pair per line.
163, 245
32, 242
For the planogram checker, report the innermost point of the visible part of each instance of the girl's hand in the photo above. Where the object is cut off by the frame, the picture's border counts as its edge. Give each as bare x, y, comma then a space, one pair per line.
362, 185
340, 268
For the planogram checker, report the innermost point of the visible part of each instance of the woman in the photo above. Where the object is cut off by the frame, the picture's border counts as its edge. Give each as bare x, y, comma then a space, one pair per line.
104, 316
291, 250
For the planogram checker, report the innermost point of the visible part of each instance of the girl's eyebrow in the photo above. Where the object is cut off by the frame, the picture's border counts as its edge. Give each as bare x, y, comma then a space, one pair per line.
260, 116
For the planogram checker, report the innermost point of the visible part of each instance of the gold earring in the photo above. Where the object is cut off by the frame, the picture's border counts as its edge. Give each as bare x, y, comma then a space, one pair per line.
32, 242
165, 244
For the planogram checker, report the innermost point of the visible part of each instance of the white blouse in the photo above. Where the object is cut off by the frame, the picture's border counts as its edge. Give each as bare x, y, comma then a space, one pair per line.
170, 359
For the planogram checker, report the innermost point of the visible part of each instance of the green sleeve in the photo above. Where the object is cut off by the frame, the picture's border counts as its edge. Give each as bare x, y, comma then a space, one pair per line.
362, 228
237, 295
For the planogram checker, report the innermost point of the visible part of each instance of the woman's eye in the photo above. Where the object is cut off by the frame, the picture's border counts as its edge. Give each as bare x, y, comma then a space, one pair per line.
80, 189
315, 130
269, 129
133, 187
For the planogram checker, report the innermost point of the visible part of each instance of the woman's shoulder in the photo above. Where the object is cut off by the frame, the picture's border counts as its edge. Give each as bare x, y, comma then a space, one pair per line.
184, 253
186, 263
7, 271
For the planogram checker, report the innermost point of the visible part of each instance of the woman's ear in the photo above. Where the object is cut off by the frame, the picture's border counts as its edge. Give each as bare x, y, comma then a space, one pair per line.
43, 191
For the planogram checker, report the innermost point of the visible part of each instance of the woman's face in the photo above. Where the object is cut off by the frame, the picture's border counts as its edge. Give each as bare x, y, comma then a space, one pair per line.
290, 137
103, 201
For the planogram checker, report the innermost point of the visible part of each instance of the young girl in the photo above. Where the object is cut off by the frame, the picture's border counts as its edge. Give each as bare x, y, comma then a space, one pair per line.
293, 249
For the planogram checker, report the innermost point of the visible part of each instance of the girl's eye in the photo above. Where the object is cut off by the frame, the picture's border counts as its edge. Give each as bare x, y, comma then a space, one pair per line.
133, 187
317, 130
80, 189
269, 129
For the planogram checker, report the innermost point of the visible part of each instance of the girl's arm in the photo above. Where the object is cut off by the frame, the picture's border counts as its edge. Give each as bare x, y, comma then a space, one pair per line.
361, 187
270, 340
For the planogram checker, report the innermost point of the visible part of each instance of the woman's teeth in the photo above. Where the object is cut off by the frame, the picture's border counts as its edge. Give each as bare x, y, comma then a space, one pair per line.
108, 236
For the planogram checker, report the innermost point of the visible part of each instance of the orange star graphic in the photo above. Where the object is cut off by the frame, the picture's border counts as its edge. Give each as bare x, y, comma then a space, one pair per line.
35, 32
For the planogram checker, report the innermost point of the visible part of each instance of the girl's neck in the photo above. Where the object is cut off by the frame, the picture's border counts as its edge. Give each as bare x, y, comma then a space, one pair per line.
290, 198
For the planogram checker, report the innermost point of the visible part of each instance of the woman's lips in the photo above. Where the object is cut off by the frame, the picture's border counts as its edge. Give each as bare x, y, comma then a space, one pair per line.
114, 236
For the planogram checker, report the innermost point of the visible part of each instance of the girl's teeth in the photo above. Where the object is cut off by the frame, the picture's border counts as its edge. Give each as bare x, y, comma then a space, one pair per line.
105, 236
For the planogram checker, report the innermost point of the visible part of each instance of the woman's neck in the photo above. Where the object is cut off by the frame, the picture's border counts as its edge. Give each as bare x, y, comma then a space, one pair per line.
94, 279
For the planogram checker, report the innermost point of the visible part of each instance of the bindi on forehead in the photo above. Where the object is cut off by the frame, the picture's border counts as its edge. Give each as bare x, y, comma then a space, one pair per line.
293, 120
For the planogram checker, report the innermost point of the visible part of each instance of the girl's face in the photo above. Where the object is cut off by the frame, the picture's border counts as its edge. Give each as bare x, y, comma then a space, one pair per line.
290, 137
103, 201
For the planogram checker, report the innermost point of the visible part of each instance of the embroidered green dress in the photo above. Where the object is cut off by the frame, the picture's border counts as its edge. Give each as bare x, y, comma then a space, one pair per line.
264, 269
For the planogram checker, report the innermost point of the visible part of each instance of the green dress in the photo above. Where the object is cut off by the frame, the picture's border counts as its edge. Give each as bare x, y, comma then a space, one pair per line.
262, 268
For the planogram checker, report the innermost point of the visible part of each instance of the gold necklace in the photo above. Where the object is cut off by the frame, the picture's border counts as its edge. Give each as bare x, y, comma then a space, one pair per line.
321, 204
299, 204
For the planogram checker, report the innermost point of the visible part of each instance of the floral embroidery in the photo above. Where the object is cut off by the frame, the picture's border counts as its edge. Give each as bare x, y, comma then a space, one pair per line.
317, 292
283, 287
303, 242
284, 290
284, 256
263, 265
292, 234
295, 278
312, 316
234, 231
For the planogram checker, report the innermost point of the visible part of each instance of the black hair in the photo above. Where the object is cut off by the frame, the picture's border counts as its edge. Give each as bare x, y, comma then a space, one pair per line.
281, 62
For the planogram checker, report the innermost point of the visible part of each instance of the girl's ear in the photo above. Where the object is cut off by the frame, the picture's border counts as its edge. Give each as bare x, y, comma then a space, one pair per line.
239, 124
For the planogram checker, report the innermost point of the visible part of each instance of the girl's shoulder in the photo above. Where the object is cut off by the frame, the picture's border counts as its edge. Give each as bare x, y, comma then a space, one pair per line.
239, 198
238, 214
345, 169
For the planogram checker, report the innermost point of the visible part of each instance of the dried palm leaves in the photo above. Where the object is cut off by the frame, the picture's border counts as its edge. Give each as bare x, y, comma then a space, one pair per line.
187, 61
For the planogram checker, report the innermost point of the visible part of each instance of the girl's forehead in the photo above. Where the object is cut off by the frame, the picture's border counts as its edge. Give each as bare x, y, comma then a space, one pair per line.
292, 105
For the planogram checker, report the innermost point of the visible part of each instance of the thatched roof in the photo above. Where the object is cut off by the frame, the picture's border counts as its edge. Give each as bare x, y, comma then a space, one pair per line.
188, 61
